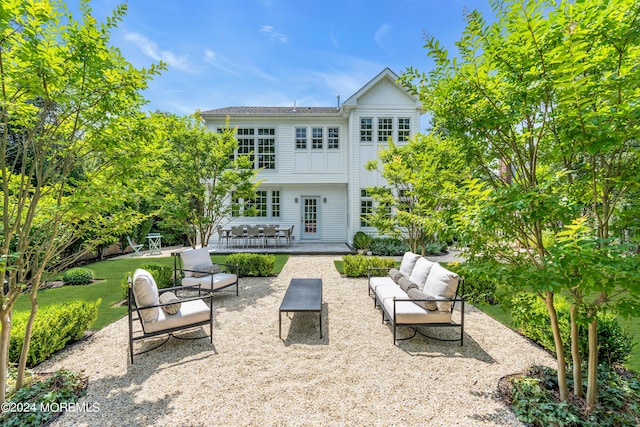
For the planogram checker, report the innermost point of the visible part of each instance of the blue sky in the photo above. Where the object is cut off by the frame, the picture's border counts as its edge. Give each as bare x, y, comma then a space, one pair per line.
275, 52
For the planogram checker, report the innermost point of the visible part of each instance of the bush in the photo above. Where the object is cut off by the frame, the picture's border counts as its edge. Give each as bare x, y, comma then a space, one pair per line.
388, 247
357, 265
77, 276
534, 400
530, 316
362, 240
53, 327
162, 274
256, 265
479, 289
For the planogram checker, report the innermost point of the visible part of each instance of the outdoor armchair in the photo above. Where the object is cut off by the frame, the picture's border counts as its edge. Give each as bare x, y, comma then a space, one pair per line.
165, 312
194, 267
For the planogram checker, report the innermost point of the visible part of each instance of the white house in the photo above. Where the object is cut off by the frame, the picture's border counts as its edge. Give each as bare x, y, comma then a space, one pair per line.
311, 160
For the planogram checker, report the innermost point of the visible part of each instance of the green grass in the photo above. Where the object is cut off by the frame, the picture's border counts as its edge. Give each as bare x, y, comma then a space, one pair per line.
112, 272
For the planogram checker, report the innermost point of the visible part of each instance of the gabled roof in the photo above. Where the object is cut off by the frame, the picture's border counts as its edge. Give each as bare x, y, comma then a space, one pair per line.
236, 111
384, 74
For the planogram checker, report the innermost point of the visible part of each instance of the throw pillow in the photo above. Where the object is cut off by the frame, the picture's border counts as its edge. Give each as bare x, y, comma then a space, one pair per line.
145, 292
429, 305
441, 283
205, 270
406, 284
420, 272
395, 274
408, 262
172, 301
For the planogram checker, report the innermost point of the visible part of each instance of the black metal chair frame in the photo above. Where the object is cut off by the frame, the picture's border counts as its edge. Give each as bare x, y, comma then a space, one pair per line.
133, 309
178, 273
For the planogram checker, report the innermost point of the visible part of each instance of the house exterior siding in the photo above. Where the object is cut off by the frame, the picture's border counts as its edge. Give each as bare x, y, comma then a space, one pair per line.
320, 158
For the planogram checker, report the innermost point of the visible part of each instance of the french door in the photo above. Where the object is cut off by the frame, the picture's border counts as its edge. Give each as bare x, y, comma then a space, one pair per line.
310, 219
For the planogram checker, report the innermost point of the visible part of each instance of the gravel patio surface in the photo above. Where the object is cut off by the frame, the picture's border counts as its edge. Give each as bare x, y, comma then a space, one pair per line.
353, 376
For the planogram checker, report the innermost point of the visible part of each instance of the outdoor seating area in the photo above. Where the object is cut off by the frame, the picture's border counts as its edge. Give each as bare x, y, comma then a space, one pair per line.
351, 376
255, 236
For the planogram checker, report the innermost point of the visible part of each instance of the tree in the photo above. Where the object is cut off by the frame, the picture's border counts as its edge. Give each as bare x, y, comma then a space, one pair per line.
550, 90
70, 127
206, 177
418, 202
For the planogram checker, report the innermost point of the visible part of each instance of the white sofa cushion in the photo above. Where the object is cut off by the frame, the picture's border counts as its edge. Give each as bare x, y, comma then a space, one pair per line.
195, 259
172, 301
374, 282
420, 272
408, 262
190, 312
145, 293
212, 282
441, 283
389, 292
409, 313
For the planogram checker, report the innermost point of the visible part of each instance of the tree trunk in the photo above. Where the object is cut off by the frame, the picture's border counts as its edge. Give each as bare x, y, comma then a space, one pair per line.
5, 336
22, 364
575, 353
562, 370
592, 372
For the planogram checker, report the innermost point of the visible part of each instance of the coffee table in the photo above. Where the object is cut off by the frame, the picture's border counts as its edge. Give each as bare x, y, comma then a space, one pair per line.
303, 295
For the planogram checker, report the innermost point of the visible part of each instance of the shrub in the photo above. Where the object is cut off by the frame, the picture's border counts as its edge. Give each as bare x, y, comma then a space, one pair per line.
53, 327
530, 316
162, 274
477, 288
357, 265
256, 265
62, 387
388, 246
362, 240
77, 276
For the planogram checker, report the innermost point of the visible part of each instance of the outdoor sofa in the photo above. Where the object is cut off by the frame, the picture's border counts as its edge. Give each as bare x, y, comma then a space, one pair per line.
421, 293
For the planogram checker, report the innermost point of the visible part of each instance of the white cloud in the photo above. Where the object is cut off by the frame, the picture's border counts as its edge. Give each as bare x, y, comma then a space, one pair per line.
228, 66
274, 36
150, 48
382, 35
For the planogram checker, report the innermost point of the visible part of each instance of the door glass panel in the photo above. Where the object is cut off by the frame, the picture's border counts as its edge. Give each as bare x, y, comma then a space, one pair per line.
310, 216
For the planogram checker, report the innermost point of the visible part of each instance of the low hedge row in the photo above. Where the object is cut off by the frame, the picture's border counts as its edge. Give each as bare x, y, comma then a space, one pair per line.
53, 327
255, 265
357, 265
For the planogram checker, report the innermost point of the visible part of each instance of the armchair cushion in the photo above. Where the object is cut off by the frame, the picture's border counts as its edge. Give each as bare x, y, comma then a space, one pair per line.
205, 270
172, 301
145, 293
195, 259
211, 281
441, 283
420, 272
191, 312
408, 262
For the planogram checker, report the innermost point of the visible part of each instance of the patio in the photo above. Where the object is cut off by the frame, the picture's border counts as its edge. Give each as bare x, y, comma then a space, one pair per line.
354, 375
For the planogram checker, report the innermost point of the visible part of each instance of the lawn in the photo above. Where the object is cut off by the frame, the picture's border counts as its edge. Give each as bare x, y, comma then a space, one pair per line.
113, 272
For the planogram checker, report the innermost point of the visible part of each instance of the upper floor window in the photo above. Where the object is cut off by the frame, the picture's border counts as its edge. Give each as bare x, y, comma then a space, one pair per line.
266, 148
404, 129
260, 145
333, 138
366, 208
316, 138
366, 129
301, 138
385, 129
